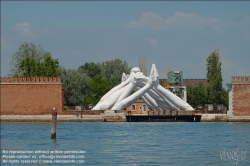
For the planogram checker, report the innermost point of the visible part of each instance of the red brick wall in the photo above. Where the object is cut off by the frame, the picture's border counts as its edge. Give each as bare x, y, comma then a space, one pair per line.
35, 96
241, 100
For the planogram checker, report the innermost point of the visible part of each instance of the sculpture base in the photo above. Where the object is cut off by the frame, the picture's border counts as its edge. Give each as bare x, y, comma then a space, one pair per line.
163, 118
109, 111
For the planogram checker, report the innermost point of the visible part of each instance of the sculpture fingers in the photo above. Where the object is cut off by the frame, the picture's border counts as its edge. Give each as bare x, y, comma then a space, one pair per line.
116, 88
109, 101
127, 91
135, 96
152, 101
173, 98
170, 105
161, 101
147, 103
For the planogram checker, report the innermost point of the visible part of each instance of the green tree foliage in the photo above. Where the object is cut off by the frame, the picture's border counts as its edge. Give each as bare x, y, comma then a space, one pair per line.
214, 79
91, 69
112, 70
31, 60
50, 67
98, 87
74, 84
197, 95
29, 67
91, 81
224, 97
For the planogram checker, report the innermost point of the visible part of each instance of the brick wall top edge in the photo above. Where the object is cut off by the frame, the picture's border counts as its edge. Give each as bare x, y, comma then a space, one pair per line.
30, 80
30, 83
240, 79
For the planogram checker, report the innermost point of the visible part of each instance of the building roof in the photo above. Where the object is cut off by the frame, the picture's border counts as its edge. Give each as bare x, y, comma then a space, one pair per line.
187, 82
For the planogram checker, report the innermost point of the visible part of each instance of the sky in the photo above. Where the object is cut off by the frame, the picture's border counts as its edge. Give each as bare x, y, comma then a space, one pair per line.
172, 35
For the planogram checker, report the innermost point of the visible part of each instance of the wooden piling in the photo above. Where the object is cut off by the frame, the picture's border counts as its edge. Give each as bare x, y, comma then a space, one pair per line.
53, 127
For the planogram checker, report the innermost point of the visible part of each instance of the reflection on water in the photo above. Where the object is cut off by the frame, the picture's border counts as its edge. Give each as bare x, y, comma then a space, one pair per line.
135, 143
54, 143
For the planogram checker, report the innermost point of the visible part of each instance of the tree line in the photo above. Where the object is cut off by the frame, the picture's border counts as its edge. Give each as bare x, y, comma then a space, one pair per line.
82, 86
90, 81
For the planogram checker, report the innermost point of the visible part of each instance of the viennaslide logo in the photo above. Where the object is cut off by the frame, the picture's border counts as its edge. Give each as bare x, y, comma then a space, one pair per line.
235, 155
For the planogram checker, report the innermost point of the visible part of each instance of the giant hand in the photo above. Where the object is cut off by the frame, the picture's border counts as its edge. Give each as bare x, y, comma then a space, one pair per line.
146, 88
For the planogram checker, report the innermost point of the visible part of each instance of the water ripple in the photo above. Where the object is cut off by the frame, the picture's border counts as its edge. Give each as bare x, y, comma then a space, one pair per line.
134, 143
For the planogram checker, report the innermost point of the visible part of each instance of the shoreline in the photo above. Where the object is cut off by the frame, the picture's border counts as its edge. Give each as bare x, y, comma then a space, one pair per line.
63, 118
116, 117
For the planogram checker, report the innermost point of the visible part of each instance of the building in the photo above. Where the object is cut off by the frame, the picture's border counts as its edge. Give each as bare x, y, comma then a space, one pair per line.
180, 87
194, 82
186, 82
239, 95
138, 107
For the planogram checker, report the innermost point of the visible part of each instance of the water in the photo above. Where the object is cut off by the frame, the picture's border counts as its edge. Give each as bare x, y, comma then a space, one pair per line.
136, 143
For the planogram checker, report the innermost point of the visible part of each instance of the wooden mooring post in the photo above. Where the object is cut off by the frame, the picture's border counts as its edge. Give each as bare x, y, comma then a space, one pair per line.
53, 127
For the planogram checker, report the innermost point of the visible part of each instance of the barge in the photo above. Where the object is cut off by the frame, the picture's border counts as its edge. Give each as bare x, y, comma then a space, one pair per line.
175, 116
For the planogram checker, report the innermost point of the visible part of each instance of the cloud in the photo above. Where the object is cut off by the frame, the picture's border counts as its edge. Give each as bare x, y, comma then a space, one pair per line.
26, 30
147, 20
152, 42
4, 44
152, 20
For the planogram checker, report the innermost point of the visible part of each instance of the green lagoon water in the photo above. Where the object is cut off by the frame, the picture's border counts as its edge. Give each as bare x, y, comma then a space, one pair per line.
128, 143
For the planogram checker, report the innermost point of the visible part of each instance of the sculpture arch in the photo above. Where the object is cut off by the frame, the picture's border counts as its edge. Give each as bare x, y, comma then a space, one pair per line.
146, 88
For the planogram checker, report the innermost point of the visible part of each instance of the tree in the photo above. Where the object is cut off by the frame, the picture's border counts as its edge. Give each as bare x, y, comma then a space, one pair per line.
49, 67
74, 84
91, 69
214, 79
225, 97
29, 67
197, 95
112, 70
31, 60
91, 81
143, 64
96, 88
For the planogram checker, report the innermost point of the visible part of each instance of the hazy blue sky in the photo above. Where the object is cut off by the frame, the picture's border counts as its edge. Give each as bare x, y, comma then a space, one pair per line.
175, 35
